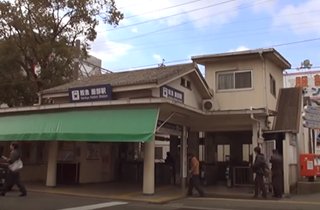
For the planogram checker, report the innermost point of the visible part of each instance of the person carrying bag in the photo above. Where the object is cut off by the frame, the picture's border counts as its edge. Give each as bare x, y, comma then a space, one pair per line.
14, 165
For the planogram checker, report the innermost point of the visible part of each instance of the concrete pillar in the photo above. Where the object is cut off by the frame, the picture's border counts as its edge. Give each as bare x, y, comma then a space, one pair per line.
286, 165
183, 157
148, 168
52, 164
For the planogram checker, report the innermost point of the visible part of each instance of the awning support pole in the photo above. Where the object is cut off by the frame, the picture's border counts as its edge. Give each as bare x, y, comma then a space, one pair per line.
164, 122
149, 168
184, 158
52, 164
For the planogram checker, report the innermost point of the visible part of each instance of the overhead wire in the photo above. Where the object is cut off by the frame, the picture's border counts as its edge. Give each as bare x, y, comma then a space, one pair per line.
169, 16
180, 24
230, 33
162, 9
185, 60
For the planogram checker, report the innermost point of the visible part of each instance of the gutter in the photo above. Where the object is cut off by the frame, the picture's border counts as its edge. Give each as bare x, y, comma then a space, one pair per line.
265, 79
258, 122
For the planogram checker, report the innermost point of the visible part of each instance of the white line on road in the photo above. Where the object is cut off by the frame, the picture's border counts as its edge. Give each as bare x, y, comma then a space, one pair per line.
97, 206
195, 207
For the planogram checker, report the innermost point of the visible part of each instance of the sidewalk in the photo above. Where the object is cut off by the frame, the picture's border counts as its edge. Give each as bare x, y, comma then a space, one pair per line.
163, 194
117, 191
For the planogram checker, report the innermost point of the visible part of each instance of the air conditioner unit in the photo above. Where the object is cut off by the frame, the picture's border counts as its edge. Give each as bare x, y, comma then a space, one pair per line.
208, 105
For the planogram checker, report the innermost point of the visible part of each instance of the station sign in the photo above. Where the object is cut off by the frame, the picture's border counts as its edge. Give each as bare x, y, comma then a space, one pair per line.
172, 93
91, 93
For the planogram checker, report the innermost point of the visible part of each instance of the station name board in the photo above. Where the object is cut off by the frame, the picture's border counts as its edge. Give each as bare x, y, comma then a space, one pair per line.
91, 93
169, 92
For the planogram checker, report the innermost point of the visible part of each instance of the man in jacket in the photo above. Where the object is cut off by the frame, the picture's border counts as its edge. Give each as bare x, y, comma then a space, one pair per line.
258, 168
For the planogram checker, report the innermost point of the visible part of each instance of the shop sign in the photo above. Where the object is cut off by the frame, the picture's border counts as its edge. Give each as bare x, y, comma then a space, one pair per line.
311, 117
91, 93
172, 93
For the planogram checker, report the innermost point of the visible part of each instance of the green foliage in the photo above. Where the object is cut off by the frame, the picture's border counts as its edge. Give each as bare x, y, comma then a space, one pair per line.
43, 33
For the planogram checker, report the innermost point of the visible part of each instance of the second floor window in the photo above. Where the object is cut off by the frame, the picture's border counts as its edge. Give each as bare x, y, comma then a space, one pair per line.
234, 80
273, 86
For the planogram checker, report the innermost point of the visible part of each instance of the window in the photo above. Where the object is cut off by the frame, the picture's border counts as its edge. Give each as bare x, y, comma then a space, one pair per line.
158, 153
234, 80
317, 80
185, 83
247, 152
182, 82
223, 151
302, 81
272, 86
188, 84
33, 152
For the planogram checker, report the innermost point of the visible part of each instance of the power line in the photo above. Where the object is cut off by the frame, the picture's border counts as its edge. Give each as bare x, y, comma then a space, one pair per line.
296, 42
177, 25
169, 16
230, 34
166, 8
185, 60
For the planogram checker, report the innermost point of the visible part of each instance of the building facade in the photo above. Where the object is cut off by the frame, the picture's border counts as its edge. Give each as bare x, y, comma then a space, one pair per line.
103, 125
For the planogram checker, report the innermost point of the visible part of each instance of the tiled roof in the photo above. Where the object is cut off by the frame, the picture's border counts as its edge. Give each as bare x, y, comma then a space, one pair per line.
127, 78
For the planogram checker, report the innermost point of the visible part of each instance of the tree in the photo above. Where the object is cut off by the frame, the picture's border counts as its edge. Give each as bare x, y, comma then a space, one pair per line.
37, 43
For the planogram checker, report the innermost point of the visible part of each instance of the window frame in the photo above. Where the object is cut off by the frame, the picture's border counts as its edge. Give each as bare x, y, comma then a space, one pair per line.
273, 85
234, 72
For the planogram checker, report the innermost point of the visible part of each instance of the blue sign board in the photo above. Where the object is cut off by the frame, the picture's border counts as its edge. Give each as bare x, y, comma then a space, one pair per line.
91, 93
169, 92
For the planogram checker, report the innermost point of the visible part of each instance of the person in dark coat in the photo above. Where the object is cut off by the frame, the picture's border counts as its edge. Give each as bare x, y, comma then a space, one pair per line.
170, 161
13, 177
277, 173
258, 168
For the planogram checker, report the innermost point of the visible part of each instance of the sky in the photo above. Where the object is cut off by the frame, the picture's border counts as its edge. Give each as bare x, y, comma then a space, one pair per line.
172, 31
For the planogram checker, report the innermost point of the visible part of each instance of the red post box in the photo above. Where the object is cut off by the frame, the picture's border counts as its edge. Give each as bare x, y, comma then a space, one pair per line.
317, 164
308, 165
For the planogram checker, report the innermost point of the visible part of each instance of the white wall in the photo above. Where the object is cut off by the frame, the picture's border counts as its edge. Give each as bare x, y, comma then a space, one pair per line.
277, 74
238, 99
258, 96
191, 97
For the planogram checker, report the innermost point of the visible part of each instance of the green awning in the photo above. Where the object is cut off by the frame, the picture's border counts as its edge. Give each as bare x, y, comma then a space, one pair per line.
112, 125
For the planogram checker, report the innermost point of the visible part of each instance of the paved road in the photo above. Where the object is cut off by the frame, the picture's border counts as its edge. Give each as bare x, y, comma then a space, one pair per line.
43, 201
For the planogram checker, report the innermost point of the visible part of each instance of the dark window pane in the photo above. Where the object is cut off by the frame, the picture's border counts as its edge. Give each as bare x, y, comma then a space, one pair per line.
243, 80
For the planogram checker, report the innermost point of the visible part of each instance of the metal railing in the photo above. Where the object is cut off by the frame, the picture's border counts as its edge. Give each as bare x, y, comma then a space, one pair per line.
242, 176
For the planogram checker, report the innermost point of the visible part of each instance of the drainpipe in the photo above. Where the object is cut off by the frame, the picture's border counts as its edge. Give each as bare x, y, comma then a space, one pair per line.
265, 80
256, 120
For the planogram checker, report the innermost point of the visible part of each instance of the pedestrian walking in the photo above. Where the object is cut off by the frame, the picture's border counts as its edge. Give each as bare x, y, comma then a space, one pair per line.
258, 168
194, 181
277, 173
13, 175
